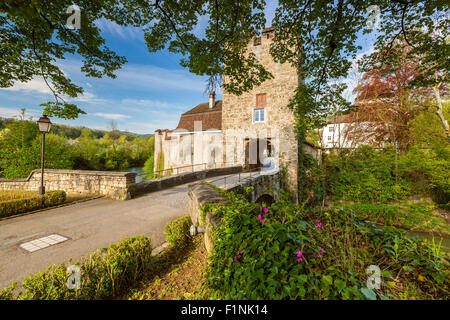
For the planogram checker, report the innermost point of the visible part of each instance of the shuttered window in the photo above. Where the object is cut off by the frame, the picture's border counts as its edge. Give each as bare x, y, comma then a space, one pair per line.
261, 100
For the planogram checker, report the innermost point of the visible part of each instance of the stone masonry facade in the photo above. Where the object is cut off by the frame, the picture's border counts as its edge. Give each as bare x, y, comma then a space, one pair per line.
238, 111
242, 114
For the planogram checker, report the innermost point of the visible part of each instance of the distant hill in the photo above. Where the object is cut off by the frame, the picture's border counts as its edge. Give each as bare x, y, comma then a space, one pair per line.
74, 132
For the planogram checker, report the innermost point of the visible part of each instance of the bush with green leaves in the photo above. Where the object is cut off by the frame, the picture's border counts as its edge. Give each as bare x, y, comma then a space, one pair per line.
285, 253
365, 175
177, 231
429, 172
31, 203
106, 273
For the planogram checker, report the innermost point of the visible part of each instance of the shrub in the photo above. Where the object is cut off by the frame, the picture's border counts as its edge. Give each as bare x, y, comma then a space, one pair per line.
6, 195
107, 272
287, 253
365, 175
16, 206
177, 231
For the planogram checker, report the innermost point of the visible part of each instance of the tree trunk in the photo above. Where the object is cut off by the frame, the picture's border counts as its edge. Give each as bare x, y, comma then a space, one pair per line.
439, 111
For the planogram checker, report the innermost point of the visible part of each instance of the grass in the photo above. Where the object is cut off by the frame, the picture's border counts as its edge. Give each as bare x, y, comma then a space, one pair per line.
178, 276
411, 216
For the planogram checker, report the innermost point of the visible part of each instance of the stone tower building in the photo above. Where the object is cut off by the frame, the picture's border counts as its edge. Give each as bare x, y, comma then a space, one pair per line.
265, 107
261, 115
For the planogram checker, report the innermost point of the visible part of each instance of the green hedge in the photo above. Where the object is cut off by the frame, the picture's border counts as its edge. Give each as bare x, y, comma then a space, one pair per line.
177, 231
106, 273
49, 199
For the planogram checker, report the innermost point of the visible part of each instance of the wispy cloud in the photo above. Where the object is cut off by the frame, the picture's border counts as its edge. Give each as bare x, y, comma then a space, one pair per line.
112, 116
127, 33
37, 85
15, 112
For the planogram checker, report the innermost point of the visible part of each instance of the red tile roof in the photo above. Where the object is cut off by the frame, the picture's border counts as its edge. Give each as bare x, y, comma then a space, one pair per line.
210, 118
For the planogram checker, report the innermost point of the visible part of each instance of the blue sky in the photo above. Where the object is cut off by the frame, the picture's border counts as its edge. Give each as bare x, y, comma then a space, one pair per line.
150, 91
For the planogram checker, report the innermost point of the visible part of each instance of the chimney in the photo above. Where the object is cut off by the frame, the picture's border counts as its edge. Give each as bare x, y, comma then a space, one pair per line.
212, 94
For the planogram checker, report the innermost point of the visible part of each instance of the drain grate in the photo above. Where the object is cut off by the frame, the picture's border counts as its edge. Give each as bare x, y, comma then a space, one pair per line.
43, 242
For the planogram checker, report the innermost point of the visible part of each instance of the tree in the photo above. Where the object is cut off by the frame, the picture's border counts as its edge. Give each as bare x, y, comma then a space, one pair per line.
34, 36
318, 37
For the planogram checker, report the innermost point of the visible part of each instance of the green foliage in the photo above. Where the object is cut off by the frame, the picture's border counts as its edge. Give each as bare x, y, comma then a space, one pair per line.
31, 203
365, 175
177, 231
429, 171
15, 194
8, 293
20, 149
107, 272
260, 260
35, 35
416, 216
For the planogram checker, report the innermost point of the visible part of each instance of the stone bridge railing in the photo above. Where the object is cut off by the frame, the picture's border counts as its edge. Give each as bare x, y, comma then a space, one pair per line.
115, 185
201, 193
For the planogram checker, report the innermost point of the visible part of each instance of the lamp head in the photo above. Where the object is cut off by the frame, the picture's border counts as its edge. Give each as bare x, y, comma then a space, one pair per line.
44, 124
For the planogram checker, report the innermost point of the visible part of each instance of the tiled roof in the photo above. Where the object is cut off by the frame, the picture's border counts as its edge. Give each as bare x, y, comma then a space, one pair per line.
204, 107
210, 118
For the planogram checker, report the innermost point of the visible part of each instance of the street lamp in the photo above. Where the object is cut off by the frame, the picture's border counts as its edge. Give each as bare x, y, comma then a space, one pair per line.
44, 127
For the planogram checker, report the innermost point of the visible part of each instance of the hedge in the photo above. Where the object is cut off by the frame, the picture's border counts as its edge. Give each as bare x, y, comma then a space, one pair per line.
106, 273
177, 231
16, 206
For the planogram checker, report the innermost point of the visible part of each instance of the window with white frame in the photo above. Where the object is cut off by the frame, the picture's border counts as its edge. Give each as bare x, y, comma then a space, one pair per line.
259, 115
329, 138
331, 129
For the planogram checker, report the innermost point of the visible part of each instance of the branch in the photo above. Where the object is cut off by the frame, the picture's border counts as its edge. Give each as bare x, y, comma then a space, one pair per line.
42, 70
167, 16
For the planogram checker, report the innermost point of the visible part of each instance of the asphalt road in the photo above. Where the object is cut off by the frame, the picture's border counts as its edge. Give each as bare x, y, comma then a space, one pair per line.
89, 226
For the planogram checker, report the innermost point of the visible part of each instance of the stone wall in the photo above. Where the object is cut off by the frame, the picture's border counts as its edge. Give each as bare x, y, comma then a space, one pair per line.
237, 111
201, 193
115, 185
182, 178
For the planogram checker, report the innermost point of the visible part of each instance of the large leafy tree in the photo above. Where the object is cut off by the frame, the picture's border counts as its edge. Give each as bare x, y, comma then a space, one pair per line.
34, 35
318, 37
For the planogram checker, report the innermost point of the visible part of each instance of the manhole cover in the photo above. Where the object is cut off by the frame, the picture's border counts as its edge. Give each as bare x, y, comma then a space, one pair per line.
43, 242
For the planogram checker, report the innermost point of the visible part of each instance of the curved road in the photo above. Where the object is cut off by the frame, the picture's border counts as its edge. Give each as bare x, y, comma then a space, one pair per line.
89, 226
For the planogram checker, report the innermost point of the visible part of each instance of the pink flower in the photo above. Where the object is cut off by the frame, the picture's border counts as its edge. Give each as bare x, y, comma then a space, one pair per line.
321, 250
261, 218
299, 254
240, 252
265, 210
319, 224
299, 260
314, 256
235, 258
312, 195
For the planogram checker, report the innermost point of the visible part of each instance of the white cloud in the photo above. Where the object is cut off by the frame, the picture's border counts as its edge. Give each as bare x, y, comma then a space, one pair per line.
15, 112
112, 116
128, 32
36, 85
152, 77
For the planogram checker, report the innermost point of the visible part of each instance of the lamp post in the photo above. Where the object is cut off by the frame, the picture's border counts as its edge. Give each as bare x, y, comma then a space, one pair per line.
44, 127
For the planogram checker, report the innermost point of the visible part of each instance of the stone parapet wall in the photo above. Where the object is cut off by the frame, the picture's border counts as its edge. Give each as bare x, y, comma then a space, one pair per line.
182, 178
201, 193
112, 184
